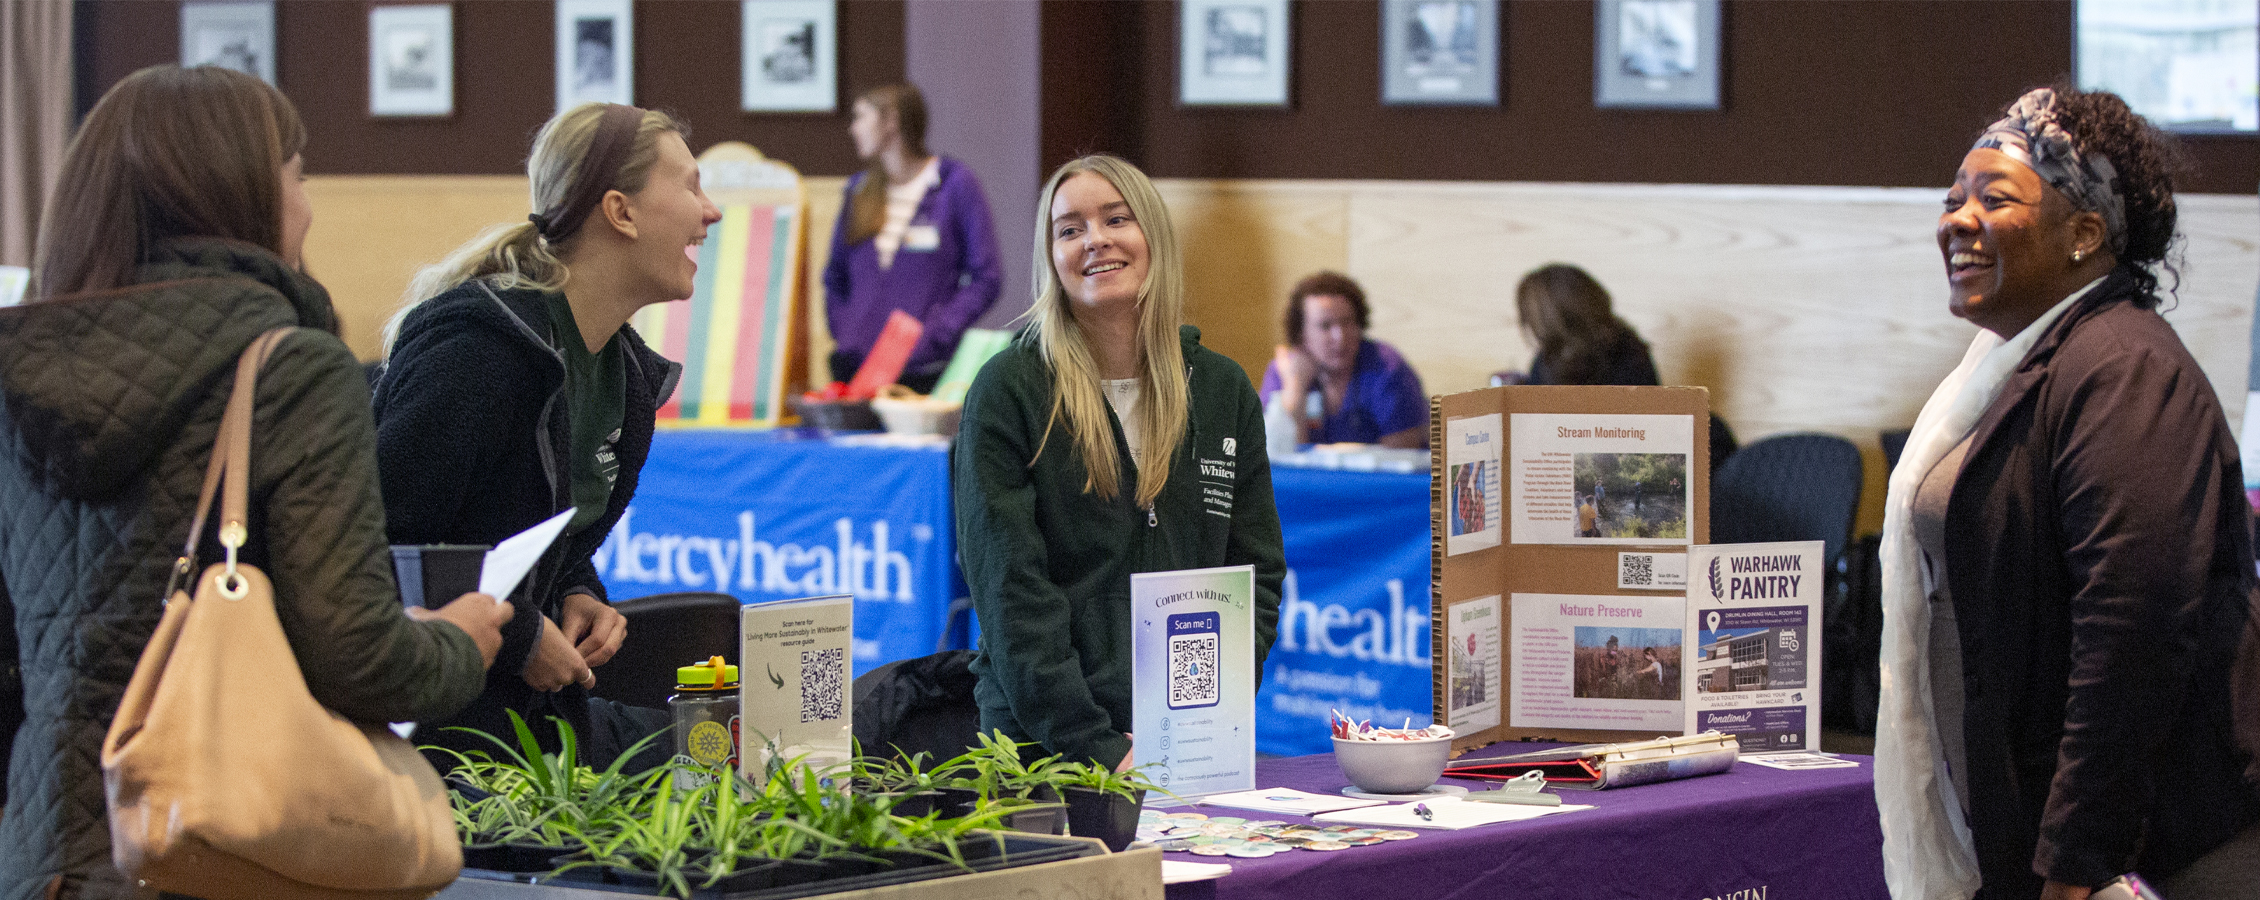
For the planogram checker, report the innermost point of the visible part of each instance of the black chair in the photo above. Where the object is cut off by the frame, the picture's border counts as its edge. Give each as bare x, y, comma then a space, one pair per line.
920, 705
665, 633
1790, 487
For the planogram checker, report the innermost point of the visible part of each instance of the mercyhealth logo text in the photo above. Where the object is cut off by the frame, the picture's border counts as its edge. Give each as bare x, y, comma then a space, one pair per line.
870, 570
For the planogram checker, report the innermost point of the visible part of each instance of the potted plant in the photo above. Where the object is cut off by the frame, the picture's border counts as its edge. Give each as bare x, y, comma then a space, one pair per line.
1103, 803
528, 805
1024, 793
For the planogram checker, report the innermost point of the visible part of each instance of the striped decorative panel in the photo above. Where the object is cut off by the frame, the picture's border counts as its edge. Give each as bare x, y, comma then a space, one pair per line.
732, 335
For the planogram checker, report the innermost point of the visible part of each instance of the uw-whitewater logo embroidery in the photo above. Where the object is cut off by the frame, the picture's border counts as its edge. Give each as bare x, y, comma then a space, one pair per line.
1718, 585
1231, 447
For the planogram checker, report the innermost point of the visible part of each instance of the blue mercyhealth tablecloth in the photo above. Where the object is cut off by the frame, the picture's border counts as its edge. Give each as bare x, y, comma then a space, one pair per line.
773, 515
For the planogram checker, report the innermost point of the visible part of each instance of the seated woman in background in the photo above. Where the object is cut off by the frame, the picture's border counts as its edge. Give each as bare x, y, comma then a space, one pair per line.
2066, 566
514, 390
1339, 386
1580, 340
173, 241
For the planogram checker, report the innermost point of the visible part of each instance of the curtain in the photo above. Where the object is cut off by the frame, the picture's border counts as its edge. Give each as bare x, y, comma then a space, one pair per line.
35, 116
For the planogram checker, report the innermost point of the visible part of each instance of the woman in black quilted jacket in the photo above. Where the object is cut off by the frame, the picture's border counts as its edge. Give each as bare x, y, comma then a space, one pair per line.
172, 240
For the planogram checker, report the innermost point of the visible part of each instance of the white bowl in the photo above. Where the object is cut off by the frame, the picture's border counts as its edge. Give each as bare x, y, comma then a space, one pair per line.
918, 415
1393, 767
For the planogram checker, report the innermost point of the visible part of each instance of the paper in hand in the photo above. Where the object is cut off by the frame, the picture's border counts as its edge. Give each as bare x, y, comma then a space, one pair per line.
509, 561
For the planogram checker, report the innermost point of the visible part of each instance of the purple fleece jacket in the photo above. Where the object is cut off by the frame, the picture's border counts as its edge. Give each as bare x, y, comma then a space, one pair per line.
946, 287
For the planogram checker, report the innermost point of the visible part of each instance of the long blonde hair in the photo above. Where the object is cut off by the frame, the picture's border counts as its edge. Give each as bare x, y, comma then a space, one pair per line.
1164, 404
515, 255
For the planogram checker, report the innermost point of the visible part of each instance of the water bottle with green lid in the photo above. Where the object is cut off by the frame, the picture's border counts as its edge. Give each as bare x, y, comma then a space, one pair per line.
705, 705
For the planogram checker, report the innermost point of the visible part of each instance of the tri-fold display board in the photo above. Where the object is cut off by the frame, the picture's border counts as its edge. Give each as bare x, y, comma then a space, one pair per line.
1562, 518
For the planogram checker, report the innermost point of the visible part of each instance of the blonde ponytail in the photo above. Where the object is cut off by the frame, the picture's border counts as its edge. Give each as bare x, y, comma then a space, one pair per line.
515, 255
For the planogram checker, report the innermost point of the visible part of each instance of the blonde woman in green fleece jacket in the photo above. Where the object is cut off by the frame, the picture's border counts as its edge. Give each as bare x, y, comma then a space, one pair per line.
1105, 441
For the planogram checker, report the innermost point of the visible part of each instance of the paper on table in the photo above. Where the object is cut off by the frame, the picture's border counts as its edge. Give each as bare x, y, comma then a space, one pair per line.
1795, 761
1178, 871
1286, 800
1449, 814
509, 561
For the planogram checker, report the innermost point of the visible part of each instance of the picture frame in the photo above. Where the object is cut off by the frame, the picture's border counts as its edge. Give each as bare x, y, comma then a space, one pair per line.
1657, 54
1233, 53
235, 35
1440, 52
2186, 66
412, 60
788, 56
596, 52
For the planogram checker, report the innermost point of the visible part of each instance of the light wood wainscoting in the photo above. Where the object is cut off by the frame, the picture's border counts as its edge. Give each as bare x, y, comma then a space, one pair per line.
1801, 308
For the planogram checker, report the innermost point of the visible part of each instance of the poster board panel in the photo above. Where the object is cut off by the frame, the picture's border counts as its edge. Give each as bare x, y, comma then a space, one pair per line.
1542, 537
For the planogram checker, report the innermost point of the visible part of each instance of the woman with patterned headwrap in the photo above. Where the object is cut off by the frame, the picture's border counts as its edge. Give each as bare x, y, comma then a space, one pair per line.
2067, 573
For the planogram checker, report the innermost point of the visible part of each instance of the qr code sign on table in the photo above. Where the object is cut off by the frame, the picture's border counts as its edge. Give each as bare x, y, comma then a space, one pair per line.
1636, 569
1193, 660
823, 679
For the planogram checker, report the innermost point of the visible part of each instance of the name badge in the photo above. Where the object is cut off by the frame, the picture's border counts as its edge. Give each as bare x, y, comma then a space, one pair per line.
921, 238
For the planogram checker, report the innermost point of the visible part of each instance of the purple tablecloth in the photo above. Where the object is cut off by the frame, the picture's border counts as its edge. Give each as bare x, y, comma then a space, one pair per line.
1750, 833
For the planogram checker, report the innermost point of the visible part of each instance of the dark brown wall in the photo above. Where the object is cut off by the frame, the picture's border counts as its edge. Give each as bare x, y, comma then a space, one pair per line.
686, 61
1849, 93
1878, 92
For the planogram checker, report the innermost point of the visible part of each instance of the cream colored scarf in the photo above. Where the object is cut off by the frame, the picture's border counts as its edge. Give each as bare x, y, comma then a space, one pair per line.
1928, 853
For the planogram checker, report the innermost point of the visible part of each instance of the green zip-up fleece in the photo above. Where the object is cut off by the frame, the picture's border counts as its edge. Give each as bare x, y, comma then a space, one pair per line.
1049, 565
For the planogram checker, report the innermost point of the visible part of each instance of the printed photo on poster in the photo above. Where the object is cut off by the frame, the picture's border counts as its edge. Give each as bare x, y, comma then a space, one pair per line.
595, 52
412, 60
1602, 479
789, 56
1597, 661
233, 35
1473, 642
1472, 502
1753, 623
1627, 663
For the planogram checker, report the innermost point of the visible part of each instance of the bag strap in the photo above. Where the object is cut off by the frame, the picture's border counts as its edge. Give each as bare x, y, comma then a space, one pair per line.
229, 472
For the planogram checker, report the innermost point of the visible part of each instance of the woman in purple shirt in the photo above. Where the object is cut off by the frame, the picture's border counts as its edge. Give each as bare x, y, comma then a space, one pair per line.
914, 235
1340, 387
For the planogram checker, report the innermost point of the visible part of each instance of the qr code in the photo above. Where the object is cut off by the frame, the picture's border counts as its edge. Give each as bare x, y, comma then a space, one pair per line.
1192, 670
1636, 569
823, 677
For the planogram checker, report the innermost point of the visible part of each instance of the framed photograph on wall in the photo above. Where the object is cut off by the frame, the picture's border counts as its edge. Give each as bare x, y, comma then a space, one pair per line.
596, 53
1657, 53
1232, 53
789, 56
239, 36
412, 60
1440, 52
2186, 65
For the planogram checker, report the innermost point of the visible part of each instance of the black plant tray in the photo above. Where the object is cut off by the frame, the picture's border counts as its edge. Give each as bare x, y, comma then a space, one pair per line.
981, 854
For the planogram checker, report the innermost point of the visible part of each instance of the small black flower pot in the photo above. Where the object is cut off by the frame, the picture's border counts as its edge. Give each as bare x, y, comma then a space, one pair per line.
1046, 816
1108, 816
912, 805
515, 858
957, 802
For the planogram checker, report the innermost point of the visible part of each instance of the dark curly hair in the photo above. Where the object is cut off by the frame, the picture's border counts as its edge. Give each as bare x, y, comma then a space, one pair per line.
1326, 284
2148, 161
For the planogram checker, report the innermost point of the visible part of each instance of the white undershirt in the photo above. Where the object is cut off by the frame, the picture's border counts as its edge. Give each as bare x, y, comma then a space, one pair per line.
1122, 394
902, 203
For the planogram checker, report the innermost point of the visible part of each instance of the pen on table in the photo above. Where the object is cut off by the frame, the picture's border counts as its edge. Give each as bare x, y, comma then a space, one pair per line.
1425, 814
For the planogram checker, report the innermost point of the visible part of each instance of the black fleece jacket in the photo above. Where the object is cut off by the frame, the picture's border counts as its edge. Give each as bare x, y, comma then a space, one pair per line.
472, 435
